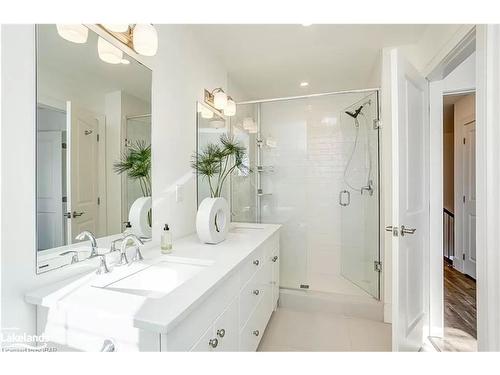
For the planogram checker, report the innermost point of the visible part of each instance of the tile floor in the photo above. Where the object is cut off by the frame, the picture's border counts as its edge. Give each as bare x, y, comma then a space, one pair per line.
291, 330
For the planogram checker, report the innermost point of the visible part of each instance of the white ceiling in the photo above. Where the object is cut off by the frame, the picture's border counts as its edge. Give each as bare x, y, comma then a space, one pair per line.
268, 61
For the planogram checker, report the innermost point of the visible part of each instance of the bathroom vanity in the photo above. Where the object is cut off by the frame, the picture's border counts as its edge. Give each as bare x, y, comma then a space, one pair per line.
199, 298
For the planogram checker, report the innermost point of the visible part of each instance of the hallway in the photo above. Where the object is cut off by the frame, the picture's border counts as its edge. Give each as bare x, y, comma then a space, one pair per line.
460, 325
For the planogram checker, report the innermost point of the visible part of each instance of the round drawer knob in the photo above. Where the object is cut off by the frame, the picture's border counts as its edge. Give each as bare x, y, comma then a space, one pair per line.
275, 258
256, 262
213, 343
256, 332
256, 292
221, 332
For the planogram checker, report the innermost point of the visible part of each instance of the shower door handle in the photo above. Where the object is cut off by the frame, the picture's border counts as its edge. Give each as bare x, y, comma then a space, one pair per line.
341, 196
405, 230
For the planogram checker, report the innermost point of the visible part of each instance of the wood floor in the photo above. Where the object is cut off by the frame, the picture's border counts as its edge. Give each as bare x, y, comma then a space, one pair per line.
460, 323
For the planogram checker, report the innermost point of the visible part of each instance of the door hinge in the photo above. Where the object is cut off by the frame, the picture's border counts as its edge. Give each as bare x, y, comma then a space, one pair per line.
98, 137
376, 124
64, 146
377, 265
464, 140
463, 199
463, 256
98, 200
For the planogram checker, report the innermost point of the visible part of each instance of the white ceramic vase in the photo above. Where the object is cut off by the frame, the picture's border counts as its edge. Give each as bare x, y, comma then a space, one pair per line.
212, 220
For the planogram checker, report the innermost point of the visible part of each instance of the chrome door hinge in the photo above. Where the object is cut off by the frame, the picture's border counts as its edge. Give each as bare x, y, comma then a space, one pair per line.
97, 137
377, 265
463, 256
98, 200
377, 124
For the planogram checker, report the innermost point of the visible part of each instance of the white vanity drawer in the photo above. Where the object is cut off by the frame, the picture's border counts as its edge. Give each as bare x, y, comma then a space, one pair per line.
189, 331
222, 336
251, 294
251, 333
251, 265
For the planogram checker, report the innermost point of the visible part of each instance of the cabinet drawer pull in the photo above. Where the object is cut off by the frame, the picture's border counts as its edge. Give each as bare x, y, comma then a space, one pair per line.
256, 262
256, 292
213, 343
275, 258
221, 332
256, 332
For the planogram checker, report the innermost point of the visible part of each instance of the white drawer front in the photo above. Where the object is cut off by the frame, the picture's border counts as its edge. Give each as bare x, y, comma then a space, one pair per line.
251, 294
226, 329
207, 343
193, 327
251, 333
251, 265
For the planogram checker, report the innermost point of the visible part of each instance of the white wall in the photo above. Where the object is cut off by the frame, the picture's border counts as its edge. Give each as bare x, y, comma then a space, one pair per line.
182, 69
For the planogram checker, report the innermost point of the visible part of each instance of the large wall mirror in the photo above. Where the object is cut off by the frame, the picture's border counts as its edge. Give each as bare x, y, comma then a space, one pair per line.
209, 128
93, 126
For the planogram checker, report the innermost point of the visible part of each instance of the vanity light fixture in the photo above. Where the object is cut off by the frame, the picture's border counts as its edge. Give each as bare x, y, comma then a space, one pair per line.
73, 33
230, 109
108, 52
145, 39
116, 28
220, 102
142, 38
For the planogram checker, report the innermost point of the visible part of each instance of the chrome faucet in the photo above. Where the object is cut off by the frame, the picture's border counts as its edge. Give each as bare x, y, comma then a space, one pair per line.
86, 234
123, 249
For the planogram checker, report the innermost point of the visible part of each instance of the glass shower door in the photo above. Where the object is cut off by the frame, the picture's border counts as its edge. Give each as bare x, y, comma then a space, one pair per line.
359, 197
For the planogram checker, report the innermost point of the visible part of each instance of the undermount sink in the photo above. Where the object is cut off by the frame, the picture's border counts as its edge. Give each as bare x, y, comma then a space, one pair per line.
159, 279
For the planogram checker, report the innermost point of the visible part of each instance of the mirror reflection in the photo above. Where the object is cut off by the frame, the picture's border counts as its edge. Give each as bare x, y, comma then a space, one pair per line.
93, 145
210, 126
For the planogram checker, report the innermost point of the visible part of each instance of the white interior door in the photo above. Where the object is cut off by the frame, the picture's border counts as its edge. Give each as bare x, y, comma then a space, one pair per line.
469, 189
82, 171
50, 219
410, 203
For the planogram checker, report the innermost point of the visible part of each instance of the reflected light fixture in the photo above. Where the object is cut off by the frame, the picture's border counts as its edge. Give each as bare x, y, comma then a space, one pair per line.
304, 84
230, 109
108, 52
220, 102
73, 33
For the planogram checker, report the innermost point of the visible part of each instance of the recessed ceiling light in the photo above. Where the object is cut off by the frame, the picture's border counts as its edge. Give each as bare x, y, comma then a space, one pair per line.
304, 84
306, 24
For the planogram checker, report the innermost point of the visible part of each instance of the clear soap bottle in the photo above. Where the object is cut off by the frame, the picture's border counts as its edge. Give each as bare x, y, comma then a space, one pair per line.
166, 240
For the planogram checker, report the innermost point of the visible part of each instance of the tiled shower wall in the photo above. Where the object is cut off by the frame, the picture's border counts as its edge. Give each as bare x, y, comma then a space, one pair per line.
308, 142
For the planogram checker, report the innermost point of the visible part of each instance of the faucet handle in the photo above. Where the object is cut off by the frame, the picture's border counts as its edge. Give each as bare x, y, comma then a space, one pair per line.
103, 266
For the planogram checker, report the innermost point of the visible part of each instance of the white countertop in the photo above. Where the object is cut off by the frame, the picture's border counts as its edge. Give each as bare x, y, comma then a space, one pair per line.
158, 314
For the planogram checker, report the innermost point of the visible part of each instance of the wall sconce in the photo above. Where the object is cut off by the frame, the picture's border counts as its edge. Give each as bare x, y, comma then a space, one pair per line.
220, 102
142, 38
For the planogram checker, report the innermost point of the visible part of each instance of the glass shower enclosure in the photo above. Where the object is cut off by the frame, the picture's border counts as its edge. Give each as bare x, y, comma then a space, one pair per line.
315, 163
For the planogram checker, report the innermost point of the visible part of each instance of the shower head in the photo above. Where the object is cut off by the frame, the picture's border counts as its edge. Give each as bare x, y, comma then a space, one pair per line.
355, 113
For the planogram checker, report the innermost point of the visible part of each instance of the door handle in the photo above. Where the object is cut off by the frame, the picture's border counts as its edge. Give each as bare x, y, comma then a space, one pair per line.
392, 229
405, 230
77, 214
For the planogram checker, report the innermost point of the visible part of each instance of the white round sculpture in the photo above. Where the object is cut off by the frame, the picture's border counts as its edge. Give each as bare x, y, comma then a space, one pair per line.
138, 217
212, 220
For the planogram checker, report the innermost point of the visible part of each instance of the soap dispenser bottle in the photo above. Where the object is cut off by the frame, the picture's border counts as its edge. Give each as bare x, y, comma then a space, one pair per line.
166, 240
